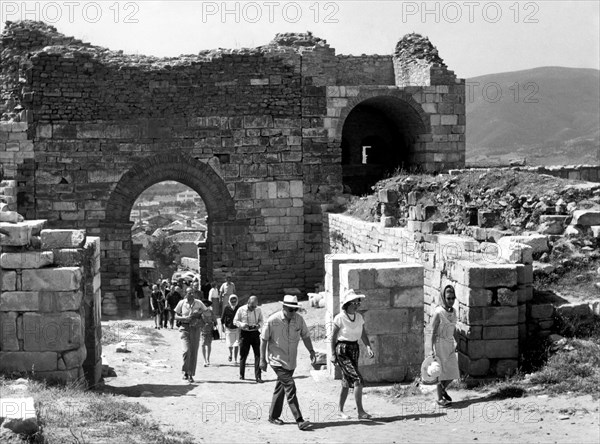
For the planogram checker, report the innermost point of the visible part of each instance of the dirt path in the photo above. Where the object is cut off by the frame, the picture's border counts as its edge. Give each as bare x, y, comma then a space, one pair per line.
221, 408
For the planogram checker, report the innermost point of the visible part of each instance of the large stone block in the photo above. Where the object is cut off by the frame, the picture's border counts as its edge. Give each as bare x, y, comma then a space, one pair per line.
500, 332
393, 321
378, 373
8, 281
56, 332
52, 239
16, 235
541, 311
488, 315
473, 297
36, 226
524, 274
407, 296
491, 349
538, 242
469, 274
68, 257
60, 300
52, 279
26, 259
332, 270
74, 358
586, 217
500, 276
399, 274
9, 339
376, 298
24, 361
514, 252
469, 331
473, 367
19, 301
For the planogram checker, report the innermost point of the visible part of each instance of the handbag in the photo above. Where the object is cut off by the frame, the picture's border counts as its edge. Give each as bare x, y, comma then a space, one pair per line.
216, 335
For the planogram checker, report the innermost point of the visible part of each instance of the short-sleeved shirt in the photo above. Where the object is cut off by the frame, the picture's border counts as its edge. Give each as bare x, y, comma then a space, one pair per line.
349, 331
184, 308
245, 316
282, 339
227, 289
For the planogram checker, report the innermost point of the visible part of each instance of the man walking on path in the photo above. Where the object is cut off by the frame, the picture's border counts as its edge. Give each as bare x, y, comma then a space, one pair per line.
281, 335
249, 320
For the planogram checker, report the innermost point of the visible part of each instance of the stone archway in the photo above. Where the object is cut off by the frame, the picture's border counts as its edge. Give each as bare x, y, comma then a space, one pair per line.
116, 229
380, 131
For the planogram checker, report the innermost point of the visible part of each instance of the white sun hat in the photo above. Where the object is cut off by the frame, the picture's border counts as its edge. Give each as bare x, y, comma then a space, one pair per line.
351, 295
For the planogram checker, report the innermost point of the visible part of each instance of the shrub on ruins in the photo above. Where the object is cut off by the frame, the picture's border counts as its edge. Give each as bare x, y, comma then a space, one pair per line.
163, 251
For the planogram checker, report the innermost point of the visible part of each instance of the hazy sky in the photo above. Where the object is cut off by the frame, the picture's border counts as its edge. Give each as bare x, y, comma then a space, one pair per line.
473, 37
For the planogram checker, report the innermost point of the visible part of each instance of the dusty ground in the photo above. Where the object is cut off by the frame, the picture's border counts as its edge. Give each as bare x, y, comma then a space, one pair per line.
221, 408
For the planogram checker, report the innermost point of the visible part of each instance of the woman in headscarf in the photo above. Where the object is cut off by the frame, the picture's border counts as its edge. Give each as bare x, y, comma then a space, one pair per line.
230, 330
443, 346
188, 311
348, 328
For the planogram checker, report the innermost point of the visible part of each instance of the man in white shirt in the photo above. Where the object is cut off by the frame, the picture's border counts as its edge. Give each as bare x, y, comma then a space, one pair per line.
249, 320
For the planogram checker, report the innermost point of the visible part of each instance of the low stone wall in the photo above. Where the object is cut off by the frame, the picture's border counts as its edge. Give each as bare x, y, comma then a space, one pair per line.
590, 173
493, 284
49, 301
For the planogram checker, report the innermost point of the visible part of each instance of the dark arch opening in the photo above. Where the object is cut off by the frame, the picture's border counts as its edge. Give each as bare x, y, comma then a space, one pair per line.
378, 137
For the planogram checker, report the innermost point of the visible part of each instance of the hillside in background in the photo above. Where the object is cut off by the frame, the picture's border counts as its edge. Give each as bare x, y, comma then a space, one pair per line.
548, 115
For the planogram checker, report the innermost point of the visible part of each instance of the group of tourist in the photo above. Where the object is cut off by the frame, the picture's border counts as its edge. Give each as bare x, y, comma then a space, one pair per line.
275, 341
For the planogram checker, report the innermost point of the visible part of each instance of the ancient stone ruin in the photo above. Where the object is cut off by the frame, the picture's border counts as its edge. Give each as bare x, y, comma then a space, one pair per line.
267, 136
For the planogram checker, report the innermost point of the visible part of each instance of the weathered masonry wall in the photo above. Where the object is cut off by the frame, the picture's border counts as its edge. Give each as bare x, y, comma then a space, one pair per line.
49, 300
589, 173
256, 132
493, 284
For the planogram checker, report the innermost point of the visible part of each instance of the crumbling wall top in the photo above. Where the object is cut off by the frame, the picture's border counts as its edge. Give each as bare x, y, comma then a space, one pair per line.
417, 47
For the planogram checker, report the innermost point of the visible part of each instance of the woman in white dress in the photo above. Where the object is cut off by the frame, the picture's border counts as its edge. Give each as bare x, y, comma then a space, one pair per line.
443, 346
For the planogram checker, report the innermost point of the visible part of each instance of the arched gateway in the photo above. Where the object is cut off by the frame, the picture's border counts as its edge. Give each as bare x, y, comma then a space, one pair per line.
266, 136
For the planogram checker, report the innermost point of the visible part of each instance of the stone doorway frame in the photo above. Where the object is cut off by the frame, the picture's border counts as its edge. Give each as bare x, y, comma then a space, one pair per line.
116, 228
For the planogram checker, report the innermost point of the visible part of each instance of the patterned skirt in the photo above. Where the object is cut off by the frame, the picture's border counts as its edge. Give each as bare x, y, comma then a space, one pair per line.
347, 357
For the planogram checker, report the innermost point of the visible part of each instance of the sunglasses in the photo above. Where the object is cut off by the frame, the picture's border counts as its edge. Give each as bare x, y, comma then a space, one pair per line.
355, 302
291, 310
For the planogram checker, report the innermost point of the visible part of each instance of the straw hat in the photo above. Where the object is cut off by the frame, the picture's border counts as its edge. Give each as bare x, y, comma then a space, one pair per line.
430, 370
351, 295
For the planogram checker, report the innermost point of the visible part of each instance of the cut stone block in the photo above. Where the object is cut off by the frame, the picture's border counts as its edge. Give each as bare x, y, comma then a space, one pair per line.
407, 296
376, 298
473, 367
10, 216
52, 239
52, 279
524, 274
16, 235
500, 332
488, 219
52, 332
388, 196
552, 224
514, 252
50, 301
8, 280
488, 315
9, 339
538, 242
490, 349
19, 301
393, 321
74, 358
36, 226
500, 276
68, 257
472, 296
586, 217
26, 259
24, 361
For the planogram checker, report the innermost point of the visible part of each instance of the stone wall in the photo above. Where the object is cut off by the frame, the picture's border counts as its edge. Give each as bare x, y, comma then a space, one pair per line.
49, 301
589, 173
493, 284
256, 132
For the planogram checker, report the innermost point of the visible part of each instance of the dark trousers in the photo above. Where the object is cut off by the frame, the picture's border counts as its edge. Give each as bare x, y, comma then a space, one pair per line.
285, 385
250, 339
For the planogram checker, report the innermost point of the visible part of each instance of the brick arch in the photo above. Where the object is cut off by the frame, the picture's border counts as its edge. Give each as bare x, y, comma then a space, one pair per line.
404, 100
179, 167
